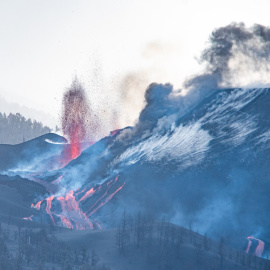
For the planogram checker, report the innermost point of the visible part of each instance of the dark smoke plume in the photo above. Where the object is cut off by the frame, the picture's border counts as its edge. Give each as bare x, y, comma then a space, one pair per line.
234, 51
160, 102
234, 55
78, 120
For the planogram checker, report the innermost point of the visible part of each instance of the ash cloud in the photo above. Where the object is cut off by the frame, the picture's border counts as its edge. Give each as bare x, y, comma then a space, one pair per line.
157, 56
237, 56
132, 88
160, 101
235, 51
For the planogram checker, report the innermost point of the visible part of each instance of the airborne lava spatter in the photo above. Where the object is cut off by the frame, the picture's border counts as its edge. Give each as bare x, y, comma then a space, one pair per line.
78, 122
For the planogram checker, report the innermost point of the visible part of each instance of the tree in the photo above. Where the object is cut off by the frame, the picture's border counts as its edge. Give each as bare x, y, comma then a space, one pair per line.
221, 251
123, 234
198, 251
94, 258
14, 128
3, 247
84, 255
205, 242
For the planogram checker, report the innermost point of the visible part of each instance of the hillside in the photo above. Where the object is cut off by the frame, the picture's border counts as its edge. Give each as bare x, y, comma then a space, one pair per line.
205, 169
28, 154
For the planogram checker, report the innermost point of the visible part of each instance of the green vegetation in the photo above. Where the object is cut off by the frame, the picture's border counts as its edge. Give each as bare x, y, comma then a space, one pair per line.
15, 128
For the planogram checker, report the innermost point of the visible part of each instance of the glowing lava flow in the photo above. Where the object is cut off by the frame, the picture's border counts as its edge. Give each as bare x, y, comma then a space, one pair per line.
87, 194
71, 215
249, 244
66, 222
79, 192
70, 207
106, 200
48, 208
109, 184
28, 218
37, 205
259, 249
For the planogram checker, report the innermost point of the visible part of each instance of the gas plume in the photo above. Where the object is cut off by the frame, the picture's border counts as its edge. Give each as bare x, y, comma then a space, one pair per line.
237, 56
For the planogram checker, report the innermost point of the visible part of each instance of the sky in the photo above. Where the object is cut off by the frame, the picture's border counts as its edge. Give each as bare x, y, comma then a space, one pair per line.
116, 48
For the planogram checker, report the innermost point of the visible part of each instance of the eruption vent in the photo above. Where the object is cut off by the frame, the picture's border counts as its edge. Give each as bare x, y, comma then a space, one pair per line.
77, 118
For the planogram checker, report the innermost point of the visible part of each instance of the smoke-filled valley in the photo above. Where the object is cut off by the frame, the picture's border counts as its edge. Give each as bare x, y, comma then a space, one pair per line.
186, 187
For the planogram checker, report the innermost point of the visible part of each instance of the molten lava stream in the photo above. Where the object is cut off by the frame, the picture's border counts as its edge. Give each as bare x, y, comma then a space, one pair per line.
88, 194
37, 205
260, 247
79, 192
98, 225
28, 218
109, 184
70, 208
66, 221
106, 200
71, 214
249, 244
48, 208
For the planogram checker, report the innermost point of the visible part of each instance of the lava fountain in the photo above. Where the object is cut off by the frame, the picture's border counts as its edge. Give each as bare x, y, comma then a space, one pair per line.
77, 118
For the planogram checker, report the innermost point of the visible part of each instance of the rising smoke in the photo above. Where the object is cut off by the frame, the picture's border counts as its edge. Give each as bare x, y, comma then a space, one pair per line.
234, 52
237, 56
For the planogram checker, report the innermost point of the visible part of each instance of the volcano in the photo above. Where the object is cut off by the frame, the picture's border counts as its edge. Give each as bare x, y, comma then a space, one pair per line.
209, 167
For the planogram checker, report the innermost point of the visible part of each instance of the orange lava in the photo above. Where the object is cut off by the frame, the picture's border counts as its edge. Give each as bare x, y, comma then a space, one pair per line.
48, 208
106, 200
37, 205
71, 215
87, 194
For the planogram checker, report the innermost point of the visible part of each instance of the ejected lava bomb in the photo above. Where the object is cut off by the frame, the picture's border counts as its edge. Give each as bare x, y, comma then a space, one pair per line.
77, 117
